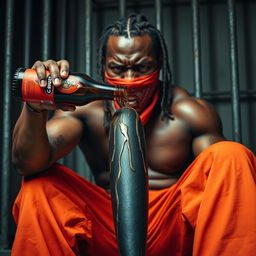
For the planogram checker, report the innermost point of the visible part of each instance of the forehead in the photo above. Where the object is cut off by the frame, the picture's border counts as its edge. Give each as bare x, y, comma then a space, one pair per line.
129, 46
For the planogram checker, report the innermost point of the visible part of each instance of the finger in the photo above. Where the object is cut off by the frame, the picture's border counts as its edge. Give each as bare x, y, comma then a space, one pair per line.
53, 67
40, 70
64, 68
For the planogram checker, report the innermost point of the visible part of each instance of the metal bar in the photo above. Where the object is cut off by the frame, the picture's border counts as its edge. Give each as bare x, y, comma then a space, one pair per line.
234, 72
88, 36
122, 8
243, 97
69, 159
62, 5
225, 95
196, 49
159, 20
159, 14
27, 33
46, 29
5, 170
216, 93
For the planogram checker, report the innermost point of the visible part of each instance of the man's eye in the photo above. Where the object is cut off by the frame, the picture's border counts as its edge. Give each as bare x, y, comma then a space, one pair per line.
118, 69
142, 68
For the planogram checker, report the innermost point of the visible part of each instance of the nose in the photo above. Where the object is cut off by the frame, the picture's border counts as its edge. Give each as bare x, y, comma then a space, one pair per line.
129, 74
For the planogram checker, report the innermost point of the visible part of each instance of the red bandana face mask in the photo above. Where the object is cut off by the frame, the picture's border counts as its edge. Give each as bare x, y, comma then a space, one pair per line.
144, 90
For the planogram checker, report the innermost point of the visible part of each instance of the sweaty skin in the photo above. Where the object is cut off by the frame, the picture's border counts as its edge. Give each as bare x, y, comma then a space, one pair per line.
171, 145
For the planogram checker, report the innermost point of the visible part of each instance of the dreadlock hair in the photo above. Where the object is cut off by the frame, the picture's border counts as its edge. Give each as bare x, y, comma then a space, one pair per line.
137, 25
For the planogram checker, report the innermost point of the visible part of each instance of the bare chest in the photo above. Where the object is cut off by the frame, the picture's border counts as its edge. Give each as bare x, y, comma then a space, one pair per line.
169, 148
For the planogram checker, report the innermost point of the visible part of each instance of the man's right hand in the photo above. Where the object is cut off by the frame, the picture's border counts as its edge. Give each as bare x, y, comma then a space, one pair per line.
58, 70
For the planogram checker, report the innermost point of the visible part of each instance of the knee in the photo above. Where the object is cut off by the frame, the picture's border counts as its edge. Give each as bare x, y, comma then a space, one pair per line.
230, 150
227, 147
33, 191
38, 185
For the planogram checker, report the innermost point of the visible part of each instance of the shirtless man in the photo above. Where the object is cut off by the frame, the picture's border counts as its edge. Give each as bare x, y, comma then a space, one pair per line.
174, 138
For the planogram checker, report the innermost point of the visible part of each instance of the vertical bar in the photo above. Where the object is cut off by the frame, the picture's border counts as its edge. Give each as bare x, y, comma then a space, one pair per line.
122, 8
5, 170
62, 6
88, 35
234, 72
159, 14
196, 49
159, 19
46, 29
68, 160
77, 155
27, 32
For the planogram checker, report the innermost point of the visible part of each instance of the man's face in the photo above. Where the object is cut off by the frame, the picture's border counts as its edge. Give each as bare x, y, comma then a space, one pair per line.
130, 58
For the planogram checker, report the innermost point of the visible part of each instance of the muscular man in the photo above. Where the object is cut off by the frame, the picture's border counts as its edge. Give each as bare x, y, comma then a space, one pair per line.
202, 197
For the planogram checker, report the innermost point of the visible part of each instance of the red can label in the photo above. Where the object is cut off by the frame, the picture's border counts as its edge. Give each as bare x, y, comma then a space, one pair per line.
34, 93
31, 90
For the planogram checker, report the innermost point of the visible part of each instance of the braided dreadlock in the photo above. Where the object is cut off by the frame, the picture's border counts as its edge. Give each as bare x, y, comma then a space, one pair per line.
137, 25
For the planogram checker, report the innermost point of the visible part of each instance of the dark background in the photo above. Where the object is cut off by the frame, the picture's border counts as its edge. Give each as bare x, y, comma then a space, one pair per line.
177, 29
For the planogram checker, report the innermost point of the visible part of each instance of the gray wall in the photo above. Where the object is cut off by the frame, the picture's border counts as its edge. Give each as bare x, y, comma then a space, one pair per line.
177, 29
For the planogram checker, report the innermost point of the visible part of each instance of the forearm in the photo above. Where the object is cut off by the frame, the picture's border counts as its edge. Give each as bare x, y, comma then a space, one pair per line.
30, 148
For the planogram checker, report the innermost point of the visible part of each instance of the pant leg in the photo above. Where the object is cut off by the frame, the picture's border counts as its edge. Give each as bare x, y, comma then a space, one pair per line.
219, 201
211, 210
58, 212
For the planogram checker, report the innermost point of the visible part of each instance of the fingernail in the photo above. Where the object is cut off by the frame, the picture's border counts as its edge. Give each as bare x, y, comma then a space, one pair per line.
64, 72
57, 81
43, 83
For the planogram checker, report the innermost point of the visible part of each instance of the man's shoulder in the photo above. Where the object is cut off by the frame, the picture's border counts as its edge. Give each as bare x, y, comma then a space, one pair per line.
195, 112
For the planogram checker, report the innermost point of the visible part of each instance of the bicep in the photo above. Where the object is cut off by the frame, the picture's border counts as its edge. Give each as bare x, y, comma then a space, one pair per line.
64, 133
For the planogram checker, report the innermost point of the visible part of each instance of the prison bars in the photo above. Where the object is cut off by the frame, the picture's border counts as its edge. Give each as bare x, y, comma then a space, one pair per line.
233, 62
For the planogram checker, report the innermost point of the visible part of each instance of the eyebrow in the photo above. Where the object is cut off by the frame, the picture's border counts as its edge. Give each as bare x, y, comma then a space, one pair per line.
113, 63
144, 62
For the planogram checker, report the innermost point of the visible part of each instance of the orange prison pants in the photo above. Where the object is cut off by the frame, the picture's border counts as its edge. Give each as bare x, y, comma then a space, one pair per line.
210, 211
